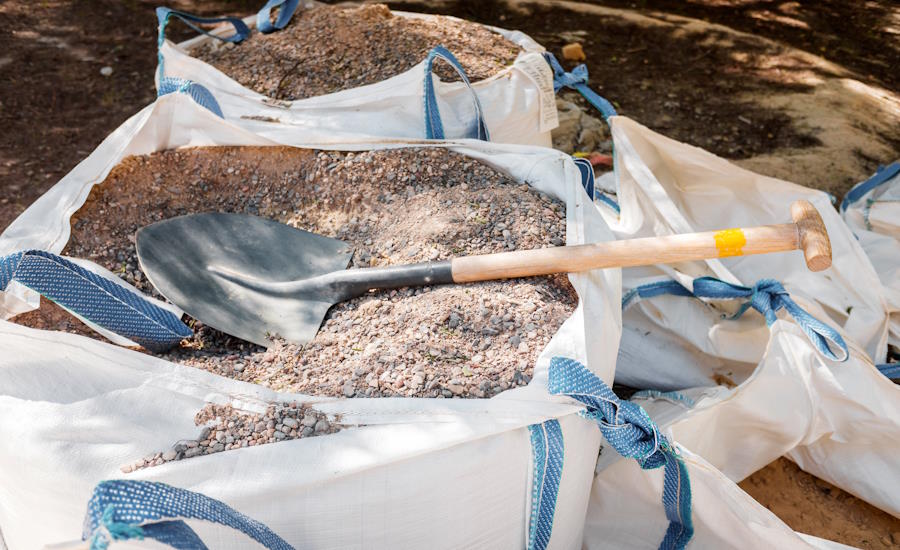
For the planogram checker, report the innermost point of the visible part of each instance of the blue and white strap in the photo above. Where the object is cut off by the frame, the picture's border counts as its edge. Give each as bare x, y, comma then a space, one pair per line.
199, 93
767, 296
548, 450
241, 30
577, 80
95, 298
890, 370
586, 169
631, 432
881, 176
671, 396
434, 128
134, 509
263, 17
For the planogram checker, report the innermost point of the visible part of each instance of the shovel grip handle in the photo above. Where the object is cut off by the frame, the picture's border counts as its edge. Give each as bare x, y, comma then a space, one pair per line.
814, 241
806, 233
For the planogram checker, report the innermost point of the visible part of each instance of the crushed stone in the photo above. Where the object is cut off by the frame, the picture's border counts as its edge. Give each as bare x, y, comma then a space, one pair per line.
224, 428
327, 49
394, 206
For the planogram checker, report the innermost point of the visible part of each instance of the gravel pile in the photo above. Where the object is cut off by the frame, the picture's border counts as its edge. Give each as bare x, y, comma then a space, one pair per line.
327, 49
394, 206
225, 428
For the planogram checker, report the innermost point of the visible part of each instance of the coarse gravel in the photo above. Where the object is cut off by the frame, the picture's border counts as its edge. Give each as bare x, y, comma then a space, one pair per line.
327, 49
394, 206
224, 428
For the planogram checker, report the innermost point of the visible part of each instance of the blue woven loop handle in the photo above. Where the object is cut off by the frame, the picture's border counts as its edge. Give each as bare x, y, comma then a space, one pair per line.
631, 432
577, 80
119, 510
241, 30
434, 128
881, 176
767, 296
263, 17
548, 451
93, 297
586, 169
198, 92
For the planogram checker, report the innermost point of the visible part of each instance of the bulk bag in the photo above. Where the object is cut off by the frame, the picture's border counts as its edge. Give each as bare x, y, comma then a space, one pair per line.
514, 470
872, 210
838, 420
794, 374
724, 516
515, 105
668, 187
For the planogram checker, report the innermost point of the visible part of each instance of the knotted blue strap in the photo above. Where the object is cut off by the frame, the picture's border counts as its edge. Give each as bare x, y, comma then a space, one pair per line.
651, 290
577, 80
263, 17
548, 450
767, 296
434, 128
198, 93
882, 175
586, 169
118, 508
631, 432
93, 297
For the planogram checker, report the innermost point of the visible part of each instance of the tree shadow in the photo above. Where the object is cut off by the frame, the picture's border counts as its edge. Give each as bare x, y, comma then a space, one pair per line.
687, 83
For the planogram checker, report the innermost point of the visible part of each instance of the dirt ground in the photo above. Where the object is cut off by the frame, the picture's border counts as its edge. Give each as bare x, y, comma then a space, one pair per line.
806, 91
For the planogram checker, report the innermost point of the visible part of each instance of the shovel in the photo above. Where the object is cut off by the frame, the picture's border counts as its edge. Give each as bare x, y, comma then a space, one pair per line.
251, 277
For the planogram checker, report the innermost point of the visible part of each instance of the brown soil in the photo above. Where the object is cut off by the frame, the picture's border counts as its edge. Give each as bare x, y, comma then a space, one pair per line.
816, 507
393, 206
319, 51
772, 100
55, 106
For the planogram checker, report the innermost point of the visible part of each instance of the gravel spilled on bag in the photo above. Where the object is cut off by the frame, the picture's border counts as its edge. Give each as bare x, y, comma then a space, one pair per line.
327, 49
394, 206
225, 428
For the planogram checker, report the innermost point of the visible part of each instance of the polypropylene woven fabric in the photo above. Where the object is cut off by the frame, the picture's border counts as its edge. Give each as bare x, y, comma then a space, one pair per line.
577, 80
586, 169
135, 502
881, 176
263, 17
767, 296
631, 432
93, 297
434, 128
199, 93
548, 451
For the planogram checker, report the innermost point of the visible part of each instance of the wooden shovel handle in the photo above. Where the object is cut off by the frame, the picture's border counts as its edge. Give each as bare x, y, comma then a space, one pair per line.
806, 233
813, 236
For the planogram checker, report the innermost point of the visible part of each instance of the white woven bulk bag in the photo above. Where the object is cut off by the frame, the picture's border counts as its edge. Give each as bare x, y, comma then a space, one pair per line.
517, 104
668, 187
511, 471
724, 515
872, 211
804, 386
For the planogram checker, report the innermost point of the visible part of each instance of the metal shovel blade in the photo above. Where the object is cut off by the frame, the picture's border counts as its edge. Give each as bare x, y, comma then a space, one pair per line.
185, 259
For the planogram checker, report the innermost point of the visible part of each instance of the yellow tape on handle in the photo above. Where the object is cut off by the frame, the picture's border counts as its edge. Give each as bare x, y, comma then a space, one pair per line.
730, 242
